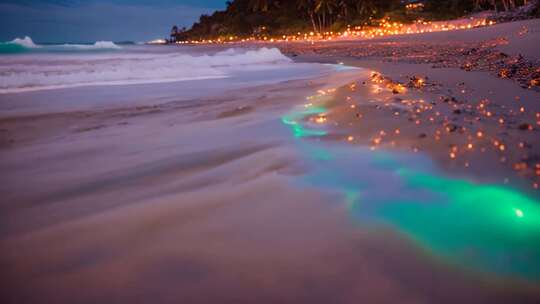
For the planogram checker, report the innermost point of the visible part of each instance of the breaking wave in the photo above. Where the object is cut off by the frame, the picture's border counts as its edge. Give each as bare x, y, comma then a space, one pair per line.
26, 44
96, 46
17, 45
38, 72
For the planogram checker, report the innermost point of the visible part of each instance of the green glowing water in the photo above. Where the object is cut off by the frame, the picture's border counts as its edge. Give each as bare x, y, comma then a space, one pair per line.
485, 227
294, 119
488, 226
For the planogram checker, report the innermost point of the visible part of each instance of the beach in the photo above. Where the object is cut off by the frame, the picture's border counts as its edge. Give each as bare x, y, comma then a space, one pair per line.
323, 177
444, 103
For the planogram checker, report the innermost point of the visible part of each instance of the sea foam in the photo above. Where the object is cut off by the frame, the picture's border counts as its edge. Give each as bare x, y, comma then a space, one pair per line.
37, 71
24, 42
17, 45
26, 45
96, 46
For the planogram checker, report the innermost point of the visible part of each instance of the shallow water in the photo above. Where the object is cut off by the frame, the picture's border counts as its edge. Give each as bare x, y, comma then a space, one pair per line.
491, 228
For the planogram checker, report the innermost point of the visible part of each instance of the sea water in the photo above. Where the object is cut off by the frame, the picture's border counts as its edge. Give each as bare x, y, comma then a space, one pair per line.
161, 72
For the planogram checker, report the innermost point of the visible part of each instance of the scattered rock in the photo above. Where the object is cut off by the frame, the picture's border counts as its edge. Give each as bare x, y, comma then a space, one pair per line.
525, 126
451, 127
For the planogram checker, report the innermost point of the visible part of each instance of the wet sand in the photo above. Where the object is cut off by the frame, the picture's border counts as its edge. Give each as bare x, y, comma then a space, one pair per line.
165, 204
198, 202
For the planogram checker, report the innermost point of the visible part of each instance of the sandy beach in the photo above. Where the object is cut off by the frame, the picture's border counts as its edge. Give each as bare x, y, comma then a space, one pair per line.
243, 195
472, 119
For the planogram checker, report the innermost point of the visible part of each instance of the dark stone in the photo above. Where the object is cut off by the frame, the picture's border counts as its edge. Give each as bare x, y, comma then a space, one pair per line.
451, 127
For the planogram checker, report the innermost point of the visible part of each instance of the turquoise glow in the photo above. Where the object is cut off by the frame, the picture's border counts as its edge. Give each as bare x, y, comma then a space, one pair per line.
294, 120
488, 226
484, 227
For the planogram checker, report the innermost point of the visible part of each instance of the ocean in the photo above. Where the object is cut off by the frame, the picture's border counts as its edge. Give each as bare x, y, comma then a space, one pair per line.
104, 74
27, 66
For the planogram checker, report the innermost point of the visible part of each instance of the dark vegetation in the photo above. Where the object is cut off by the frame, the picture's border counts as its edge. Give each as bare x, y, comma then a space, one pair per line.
261, 18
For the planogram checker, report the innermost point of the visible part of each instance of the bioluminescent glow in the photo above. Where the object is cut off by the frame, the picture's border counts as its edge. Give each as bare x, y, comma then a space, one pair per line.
485, 227
295, 118
478, 225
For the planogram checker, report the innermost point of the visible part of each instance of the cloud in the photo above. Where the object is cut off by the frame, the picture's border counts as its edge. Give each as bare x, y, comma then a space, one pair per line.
75, 21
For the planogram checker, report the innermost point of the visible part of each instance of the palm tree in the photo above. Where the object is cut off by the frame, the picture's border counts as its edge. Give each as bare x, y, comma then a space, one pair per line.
262, 5
325, 8
309, 7
344, 7
174, 33
258, 5
365, 8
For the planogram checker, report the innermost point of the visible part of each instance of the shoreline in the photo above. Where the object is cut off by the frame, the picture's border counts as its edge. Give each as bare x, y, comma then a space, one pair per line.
176, 202
456, 104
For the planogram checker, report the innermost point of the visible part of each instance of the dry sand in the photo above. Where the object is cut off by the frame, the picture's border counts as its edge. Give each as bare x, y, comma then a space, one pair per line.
507, 50
443, 115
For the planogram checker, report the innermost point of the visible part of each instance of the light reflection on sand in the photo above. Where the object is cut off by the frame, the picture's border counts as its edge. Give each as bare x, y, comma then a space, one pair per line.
484, 227
209, 204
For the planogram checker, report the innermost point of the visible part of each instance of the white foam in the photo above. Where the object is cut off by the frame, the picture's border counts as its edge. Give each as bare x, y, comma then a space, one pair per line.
52, 71
233, 57
99, 45
25, 42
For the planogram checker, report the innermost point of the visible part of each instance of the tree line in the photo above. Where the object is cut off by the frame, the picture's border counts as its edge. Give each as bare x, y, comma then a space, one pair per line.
244, 18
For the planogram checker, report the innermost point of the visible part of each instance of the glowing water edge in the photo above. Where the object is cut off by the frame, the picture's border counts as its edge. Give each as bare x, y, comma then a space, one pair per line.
484, 227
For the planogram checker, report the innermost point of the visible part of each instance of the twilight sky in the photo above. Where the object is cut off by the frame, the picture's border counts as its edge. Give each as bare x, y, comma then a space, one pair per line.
93, 20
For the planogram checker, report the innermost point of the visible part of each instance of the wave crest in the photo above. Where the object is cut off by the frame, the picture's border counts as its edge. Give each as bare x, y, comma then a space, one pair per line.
36, 72
233, 56
25, 42
18, 45
99, 45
